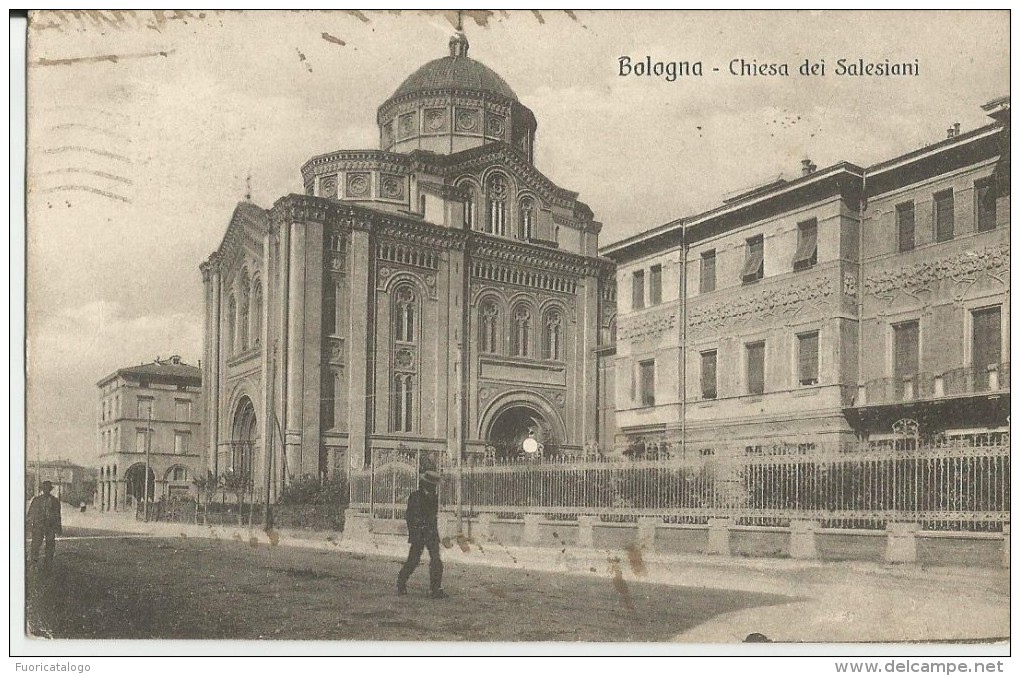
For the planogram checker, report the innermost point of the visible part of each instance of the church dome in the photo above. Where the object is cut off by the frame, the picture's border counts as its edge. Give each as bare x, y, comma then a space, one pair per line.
452, 104
457, 71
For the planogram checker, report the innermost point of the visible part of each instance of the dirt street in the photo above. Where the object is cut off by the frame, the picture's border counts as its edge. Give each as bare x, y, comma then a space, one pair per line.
114, 585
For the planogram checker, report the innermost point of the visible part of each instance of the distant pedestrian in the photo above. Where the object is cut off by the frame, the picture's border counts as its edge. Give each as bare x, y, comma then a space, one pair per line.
44, 523
423, 533
81, 507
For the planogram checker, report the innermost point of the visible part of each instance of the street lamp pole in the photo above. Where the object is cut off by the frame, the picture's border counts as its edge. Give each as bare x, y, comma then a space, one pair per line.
148, 447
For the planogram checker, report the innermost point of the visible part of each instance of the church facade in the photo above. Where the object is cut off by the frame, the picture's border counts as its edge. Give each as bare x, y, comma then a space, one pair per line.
439, 294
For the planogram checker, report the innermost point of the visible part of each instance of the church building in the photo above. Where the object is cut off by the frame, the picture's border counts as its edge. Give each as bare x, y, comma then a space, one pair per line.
437, 294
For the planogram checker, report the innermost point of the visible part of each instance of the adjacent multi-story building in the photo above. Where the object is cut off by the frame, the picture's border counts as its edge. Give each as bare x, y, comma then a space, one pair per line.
150, 417
825, 308
439, 293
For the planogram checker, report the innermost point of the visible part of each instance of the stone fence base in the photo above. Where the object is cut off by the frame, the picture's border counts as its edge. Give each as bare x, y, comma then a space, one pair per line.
899, 543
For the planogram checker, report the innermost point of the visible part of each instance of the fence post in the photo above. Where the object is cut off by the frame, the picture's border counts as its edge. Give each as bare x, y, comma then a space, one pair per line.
802, 539
531, 529
586, 531
646, 532
1005, 545
901, 543
719, 536
484, 525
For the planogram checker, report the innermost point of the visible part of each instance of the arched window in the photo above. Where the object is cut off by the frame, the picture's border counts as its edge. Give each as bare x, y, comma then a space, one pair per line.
497, 195
553, 327
231, 323
470, 200
403, 402
527, 219
421, 205
489, 326
243, 318
406, 305
522, 331
256, 312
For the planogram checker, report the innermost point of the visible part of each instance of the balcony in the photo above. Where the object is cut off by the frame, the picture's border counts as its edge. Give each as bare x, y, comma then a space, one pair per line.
960, 382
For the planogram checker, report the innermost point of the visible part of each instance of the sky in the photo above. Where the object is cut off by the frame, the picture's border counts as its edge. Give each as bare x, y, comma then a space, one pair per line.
146, 128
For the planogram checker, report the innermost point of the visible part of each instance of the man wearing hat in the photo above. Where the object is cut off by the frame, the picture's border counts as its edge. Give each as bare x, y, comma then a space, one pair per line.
44, 523
423, 533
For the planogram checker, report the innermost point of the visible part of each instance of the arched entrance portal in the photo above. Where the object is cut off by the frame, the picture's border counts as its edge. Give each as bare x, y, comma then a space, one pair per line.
243, 439
135, 480
516, 423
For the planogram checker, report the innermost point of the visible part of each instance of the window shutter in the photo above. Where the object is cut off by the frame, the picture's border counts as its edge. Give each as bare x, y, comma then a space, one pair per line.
905, 225
807, 245
655, 285
709, 388
638, 290
808, 358
906, 350
984, 195
944, 216
707, 282
756, 368
754, 263
987, 338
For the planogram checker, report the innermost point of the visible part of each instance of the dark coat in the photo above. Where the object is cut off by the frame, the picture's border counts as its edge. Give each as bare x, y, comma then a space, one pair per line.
44, 514
422, 516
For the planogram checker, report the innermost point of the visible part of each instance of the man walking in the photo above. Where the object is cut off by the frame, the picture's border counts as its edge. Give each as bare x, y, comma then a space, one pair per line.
44, 524
423, 533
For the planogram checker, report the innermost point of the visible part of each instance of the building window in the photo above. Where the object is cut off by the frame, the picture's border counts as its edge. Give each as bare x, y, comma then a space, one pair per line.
403, 403
140, 441
709, 378
469, 205
553, 327
647, 375
527, 219
807, 245
638, 290
984, 202
986, 345
182, 410
256, 313
905, 226
754, 260
522, 331
905, 354
944, 216
489, 327
144, 407
421, 205
807, 358
655, 285
231, 323
179, 474
182, 440
497, 195
243, 317
755, 367
707, 281
406, 310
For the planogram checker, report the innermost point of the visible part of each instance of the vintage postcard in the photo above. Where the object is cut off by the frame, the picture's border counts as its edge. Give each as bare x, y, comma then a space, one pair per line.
681, 329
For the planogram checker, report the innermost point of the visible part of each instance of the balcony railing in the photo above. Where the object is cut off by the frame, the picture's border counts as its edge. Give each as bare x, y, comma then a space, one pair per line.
954, 383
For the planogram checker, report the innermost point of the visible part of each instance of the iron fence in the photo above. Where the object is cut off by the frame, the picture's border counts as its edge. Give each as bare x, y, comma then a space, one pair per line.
953, 485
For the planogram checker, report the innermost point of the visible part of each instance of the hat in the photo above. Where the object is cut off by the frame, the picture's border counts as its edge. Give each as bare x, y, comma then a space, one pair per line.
46, 485
431, 477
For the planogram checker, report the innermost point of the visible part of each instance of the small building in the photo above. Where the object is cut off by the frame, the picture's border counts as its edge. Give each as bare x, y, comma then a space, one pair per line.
150, 416
71, 483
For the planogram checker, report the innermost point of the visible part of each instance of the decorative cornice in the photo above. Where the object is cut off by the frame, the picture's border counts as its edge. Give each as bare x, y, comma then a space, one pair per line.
447, 192
959, 268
